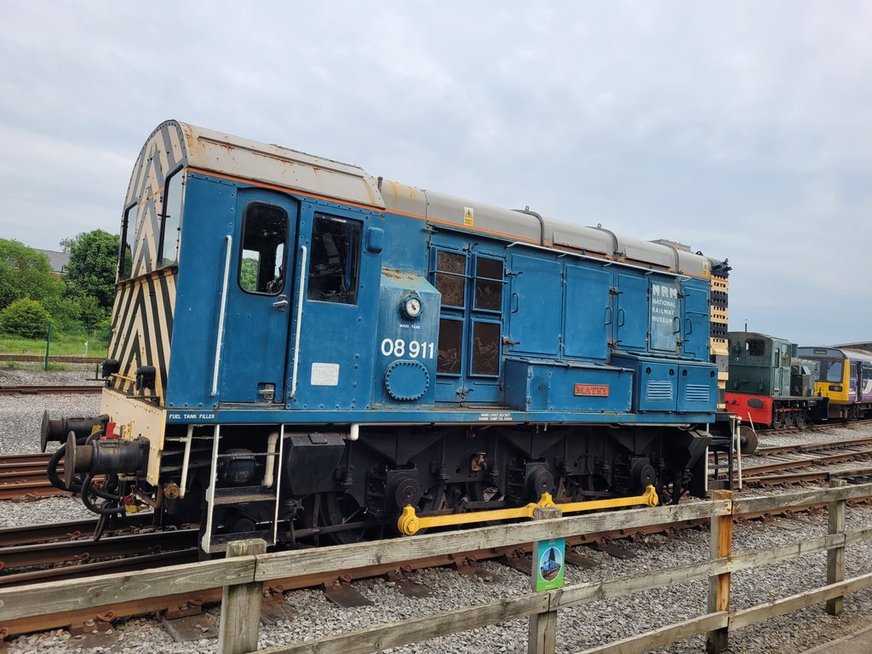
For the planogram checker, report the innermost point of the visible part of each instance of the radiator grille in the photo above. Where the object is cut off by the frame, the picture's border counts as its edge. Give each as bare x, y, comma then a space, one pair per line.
659, 390
697, 393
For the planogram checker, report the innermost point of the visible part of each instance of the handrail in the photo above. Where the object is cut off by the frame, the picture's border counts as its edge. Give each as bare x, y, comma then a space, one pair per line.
219, 339
301, 289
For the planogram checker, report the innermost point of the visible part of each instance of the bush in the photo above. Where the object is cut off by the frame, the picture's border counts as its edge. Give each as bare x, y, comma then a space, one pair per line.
91, 312
103, 333
65, 314
26, 318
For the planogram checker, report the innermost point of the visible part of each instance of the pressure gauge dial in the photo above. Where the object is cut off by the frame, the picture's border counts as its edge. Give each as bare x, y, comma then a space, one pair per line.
411, 306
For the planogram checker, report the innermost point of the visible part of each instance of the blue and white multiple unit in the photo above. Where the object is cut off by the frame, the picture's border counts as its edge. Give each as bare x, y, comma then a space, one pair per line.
300, 349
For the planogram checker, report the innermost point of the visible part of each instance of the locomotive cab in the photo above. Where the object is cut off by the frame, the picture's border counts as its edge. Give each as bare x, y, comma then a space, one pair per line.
768, 385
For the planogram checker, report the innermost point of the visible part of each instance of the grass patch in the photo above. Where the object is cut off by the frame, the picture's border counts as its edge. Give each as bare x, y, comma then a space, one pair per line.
74, 346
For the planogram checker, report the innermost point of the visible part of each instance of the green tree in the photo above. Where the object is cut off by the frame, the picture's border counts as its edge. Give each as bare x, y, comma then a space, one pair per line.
26, 318
66, 313
248, 274
24, 272
93, 261
92, 314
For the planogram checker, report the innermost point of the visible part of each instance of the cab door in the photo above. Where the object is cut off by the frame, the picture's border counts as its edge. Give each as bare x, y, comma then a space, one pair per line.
258, 299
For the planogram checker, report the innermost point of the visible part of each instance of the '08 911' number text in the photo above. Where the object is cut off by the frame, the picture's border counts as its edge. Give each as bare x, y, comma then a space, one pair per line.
399, 347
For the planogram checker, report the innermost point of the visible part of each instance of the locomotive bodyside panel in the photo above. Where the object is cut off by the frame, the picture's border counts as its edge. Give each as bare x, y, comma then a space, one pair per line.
588, 311
406, 347
535, 287
537, 385
695, 324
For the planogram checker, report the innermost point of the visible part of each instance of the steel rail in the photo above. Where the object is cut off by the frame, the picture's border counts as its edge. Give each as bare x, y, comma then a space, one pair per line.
811, 447
63, 553
50, 390
30, 358
64, 531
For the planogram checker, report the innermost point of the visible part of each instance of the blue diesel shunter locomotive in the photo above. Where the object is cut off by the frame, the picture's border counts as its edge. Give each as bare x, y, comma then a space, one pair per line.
301, 351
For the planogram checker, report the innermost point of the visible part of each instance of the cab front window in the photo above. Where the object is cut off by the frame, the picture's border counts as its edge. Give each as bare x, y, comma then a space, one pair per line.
831, 370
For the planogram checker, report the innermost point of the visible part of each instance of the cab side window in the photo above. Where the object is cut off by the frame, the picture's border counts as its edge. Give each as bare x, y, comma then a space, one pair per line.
264, 245
171, 230
128, 242
334, 265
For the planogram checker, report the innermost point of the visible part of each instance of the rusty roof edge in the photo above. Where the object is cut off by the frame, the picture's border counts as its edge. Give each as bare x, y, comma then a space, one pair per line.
224, 153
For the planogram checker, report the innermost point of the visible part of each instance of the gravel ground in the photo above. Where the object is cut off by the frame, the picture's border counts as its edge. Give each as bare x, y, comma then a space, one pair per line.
833, 432
20, 419
578, 628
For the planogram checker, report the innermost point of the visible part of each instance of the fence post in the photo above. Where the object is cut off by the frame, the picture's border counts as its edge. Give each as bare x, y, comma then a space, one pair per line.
836, 555
47, 345
542, 634
240, 605
719, 585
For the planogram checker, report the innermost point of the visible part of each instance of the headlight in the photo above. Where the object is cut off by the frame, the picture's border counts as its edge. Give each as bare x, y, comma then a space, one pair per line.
835, 388
411, 306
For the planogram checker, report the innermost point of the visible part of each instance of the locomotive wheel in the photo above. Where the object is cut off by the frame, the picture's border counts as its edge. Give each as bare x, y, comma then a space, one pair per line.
335, 509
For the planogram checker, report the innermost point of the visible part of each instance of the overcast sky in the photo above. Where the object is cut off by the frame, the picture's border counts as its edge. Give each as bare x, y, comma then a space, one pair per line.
743, 129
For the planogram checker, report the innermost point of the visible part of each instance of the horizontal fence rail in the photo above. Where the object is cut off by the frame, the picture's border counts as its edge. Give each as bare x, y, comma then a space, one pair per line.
242, 577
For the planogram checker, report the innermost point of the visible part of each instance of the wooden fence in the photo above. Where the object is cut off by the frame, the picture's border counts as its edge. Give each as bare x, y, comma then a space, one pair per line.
245, 570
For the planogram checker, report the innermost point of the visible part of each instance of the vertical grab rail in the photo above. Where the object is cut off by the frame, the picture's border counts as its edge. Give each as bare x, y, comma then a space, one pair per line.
206, 542
220, 337
301, 290
275, 537
186, 460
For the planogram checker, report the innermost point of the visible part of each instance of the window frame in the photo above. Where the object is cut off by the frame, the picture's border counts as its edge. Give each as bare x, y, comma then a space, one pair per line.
163, 213
459, 320
475, 280
125, 229
484, 320
324, 215
284, 259
463, 276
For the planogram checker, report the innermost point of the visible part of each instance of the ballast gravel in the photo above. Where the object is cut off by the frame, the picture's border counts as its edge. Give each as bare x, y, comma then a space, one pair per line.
824, 433
578, 628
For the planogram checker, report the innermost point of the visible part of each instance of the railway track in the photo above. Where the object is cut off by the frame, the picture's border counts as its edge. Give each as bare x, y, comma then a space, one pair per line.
50, 390
23, 477
53, 561
64, 531
31, 358
820, 456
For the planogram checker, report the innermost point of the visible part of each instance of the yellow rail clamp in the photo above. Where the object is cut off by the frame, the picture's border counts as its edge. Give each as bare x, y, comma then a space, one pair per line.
409, 523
